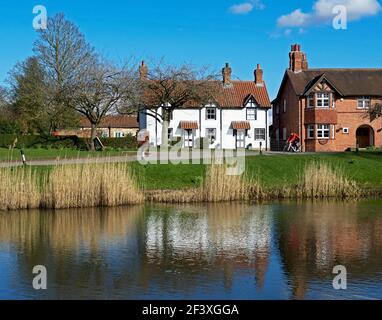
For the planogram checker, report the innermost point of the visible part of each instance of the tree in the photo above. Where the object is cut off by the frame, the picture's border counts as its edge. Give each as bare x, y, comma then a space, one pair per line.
375, 111
29, 102
173, 87
102, 89
64, 55
7, 124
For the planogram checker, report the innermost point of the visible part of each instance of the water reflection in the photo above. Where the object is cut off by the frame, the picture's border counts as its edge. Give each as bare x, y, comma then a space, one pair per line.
239, 250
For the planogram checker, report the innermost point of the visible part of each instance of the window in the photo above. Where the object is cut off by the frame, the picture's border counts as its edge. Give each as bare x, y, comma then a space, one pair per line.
277, 109
211, 114
169, 134
260, 134
211, 135
285, 105
251, 114
311, 100
364, 103
277, 135
323, 131
284, 134
310, 131
323, 100
345, 130
119, 135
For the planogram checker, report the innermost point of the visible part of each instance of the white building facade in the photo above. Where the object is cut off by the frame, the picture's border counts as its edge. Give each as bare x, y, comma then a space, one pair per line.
238, 118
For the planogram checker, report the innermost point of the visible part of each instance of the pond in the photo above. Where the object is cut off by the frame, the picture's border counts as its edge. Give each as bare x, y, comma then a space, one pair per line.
279, 250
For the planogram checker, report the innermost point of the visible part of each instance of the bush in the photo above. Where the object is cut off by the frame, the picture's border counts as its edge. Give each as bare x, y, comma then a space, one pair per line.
128, 142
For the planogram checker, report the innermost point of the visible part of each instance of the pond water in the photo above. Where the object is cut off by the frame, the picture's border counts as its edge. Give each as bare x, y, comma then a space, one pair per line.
283, 250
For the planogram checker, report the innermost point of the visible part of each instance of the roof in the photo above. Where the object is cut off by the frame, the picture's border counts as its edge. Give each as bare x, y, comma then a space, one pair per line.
348, 82
237, 94
113, 121
233, 96
241, 125
188, 125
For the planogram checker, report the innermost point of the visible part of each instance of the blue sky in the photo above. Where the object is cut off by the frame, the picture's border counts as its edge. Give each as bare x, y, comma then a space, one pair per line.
209, 32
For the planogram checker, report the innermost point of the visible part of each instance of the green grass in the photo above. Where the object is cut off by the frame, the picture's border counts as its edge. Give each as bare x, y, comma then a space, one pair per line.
275, 170
272, 171
51, 154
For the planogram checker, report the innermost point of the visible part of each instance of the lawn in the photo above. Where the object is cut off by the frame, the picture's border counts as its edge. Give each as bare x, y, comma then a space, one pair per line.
271, 170
50, 154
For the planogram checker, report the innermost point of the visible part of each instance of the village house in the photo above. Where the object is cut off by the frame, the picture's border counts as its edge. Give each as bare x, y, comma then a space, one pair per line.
327, 108
111, 126
238, 117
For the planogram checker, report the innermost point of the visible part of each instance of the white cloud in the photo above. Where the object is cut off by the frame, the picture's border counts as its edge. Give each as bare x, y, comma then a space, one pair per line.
295, 19
246, 7
322, 12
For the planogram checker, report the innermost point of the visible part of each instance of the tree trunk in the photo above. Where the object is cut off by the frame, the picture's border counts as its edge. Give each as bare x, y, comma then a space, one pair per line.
165, 125
93, 135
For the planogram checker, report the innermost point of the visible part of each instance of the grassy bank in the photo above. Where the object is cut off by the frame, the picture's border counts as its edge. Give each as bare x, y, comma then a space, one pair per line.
51, 154
272, 176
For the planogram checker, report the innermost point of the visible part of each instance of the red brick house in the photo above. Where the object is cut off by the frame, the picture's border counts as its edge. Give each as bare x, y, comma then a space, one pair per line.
327, 108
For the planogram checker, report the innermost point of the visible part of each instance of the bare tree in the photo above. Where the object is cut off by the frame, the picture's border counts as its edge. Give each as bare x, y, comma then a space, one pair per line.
102, 89
64, 54
375, 111
172, 87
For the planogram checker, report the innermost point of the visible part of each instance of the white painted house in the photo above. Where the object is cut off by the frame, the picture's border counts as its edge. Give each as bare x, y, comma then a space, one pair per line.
238, 119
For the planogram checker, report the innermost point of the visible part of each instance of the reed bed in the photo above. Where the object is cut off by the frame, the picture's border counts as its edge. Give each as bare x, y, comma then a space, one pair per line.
19, 189
91, 185
322, 180
69, 186
218, 186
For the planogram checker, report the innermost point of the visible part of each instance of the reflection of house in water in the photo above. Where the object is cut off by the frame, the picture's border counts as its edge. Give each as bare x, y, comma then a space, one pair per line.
315, 237
212, 238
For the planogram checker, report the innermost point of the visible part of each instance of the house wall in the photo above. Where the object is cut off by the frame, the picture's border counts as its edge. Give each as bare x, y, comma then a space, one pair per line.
222, 124
290, 119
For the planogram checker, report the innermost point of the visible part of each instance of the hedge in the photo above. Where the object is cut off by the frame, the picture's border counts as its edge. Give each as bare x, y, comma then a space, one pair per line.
71, 142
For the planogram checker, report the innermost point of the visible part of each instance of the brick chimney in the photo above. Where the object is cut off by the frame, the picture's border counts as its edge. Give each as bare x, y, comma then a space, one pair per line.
259, 76
143, 71
297, 59
227, 72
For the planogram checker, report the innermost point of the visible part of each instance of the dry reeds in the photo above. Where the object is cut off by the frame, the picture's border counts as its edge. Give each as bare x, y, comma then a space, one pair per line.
91, 185
18, 189
69, 186
322, 180
218, 186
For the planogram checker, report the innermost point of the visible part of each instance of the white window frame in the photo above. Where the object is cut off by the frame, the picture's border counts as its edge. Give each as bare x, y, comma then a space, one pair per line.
211, 113
322, 131
252, 115
310, 100
345, 130
310, 129
365, 102
209, 135
321, 98
260, 136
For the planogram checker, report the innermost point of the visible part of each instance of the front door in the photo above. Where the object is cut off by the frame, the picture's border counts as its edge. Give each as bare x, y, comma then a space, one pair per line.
188, 138
240, 139
363, 137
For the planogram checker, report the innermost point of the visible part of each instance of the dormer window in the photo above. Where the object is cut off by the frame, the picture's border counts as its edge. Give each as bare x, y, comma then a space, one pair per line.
323, 100
364, 102
210, 113
251, 113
